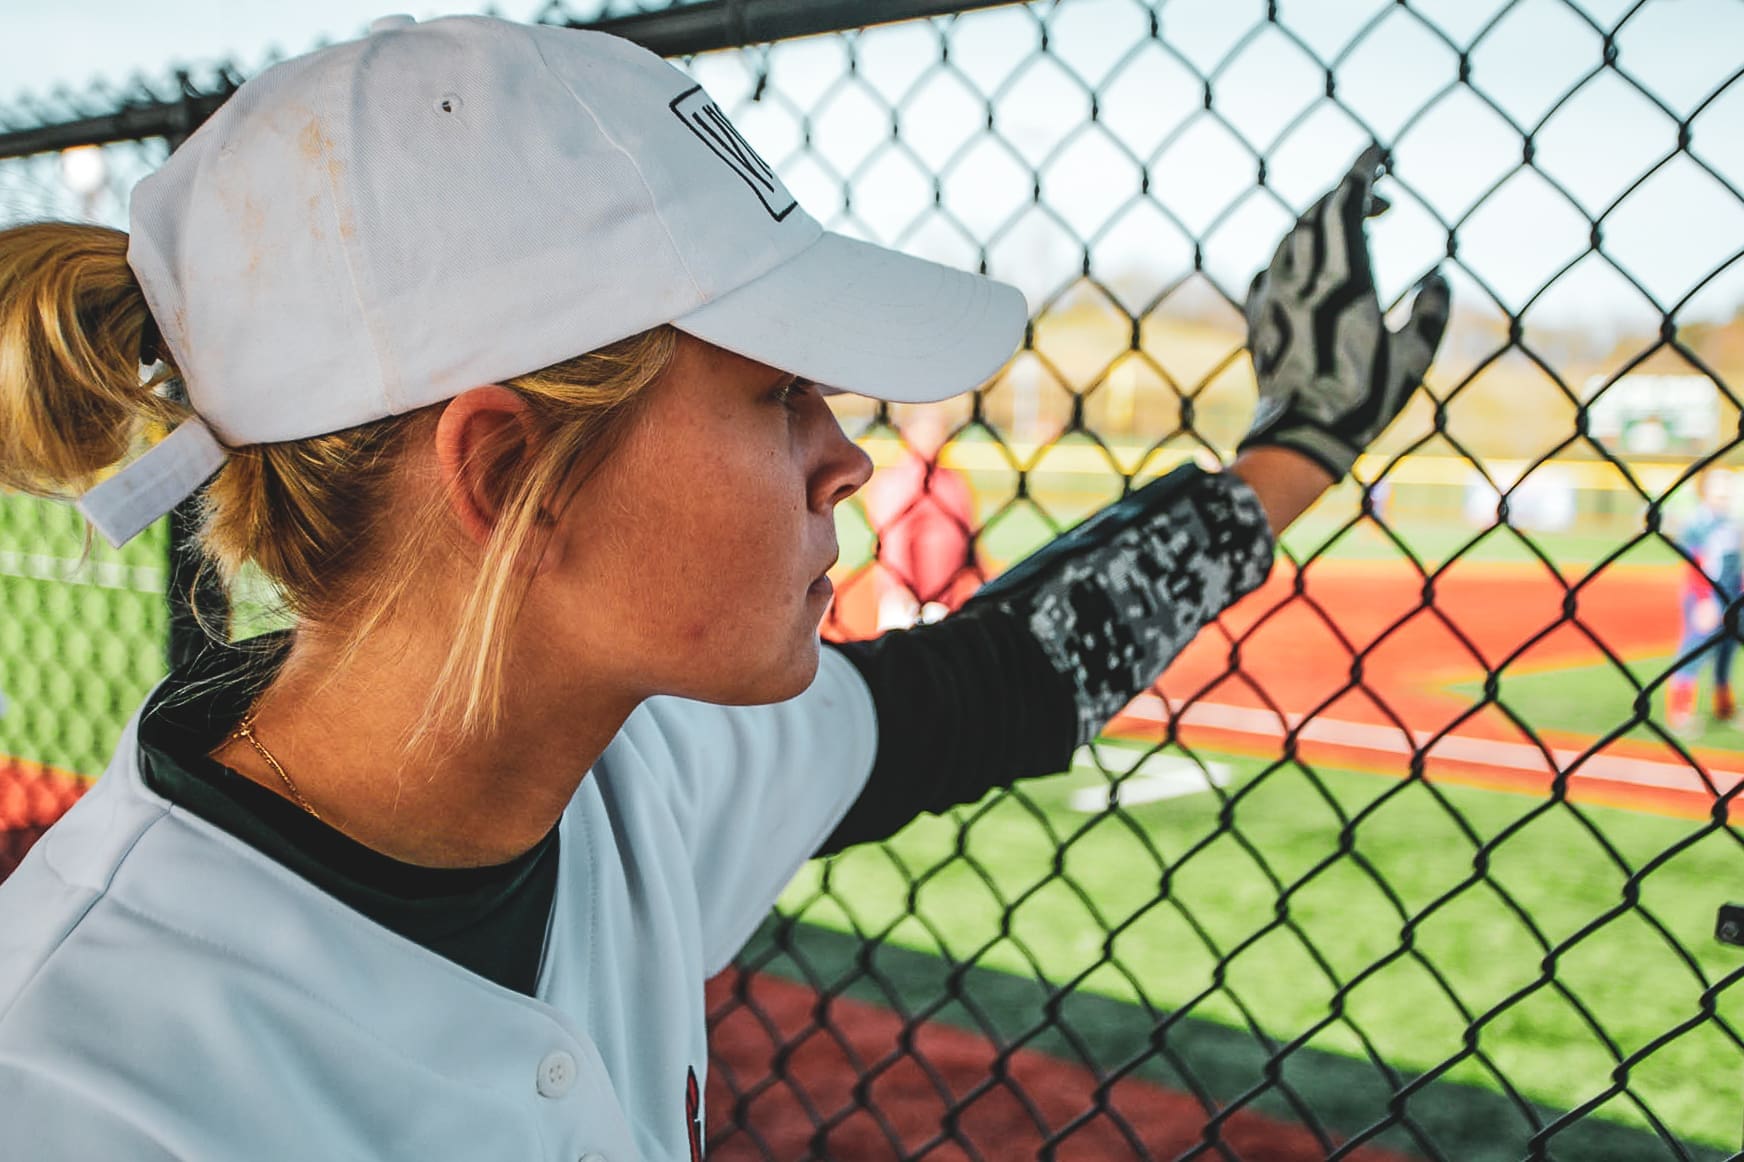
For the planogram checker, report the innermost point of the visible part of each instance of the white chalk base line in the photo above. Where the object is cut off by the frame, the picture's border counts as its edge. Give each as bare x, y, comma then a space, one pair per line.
1391, 741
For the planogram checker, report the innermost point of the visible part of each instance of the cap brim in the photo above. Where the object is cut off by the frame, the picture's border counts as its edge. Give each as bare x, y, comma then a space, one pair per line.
861, 318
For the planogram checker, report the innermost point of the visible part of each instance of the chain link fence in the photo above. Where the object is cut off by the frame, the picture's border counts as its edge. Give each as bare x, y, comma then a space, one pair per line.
1416, 853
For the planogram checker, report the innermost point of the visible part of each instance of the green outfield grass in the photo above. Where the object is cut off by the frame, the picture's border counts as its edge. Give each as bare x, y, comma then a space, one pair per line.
1012, 528
981, 885
1593, 700
1435, 541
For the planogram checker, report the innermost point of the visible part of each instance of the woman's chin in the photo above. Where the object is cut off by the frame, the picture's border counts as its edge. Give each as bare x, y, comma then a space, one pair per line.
778, 683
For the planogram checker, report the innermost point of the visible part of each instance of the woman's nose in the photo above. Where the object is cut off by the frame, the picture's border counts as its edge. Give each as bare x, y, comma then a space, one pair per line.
842, 470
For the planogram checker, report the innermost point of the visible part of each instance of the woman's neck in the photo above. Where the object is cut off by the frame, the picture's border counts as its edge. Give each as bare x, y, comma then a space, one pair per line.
336, 731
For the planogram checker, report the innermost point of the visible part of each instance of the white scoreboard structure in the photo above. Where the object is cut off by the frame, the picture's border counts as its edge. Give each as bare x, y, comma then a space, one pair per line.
1654, 415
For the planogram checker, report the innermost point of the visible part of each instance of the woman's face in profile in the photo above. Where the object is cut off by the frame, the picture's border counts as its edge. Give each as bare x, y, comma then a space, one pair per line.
692, 555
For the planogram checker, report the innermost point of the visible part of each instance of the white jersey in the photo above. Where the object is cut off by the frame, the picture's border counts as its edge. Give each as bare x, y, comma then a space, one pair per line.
168, 991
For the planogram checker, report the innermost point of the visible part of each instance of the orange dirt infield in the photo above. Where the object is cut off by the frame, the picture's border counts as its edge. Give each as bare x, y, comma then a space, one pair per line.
865, 1059
1365, 653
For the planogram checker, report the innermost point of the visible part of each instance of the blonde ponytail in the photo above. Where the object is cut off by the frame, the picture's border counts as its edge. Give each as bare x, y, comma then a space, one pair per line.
72, 321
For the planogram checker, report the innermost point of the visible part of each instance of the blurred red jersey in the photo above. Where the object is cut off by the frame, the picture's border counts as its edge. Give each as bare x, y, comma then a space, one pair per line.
924, 515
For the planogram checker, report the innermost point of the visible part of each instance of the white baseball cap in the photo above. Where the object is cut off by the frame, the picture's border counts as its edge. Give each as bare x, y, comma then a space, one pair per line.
385, 223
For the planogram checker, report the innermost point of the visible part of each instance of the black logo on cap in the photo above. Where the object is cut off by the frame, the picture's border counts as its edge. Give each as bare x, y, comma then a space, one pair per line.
704, 118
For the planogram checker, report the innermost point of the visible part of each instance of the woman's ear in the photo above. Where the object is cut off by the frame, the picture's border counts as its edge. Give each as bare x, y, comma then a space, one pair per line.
482, 433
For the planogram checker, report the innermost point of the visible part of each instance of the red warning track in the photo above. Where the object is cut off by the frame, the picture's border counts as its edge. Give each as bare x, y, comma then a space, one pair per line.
1357, 658
800, 1066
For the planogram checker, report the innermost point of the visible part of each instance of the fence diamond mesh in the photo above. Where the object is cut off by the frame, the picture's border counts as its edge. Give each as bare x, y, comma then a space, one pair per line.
1416, 853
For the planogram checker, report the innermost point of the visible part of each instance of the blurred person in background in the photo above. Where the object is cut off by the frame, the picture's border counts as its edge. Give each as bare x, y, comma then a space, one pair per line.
924, 515
1710, 539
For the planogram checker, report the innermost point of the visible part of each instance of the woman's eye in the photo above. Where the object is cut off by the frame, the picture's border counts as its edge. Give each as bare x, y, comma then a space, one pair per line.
789, 393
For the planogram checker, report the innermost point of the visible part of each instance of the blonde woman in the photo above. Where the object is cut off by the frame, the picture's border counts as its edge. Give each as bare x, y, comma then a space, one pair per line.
500, 350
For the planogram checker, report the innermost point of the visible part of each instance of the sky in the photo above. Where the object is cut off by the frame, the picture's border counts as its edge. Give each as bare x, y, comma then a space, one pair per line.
1457, 158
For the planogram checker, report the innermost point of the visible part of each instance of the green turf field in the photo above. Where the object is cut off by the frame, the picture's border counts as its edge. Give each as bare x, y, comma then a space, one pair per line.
1434, 542
1595, 699
982, 885
1012, 528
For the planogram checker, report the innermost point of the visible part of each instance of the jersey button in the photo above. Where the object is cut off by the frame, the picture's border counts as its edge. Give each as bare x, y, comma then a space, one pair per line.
556, 1074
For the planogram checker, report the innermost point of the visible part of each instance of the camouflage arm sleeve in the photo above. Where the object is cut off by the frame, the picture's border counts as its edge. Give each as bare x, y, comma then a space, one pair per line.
1038, 660
1115, 599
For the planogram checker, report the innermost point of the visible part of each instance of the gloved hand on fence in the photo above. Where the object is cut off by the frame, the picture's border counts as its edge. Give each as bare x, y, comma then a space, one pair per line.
1331, 376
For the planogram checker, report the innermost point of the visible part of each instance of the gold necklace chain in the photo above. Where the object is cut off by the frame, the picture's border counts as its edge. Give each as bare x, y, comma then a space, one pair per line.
245, 730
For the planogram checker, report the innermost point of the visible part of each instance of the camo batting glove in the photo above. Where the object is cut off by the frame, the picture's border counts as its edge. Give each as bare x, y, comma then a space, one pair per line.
1331, 376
